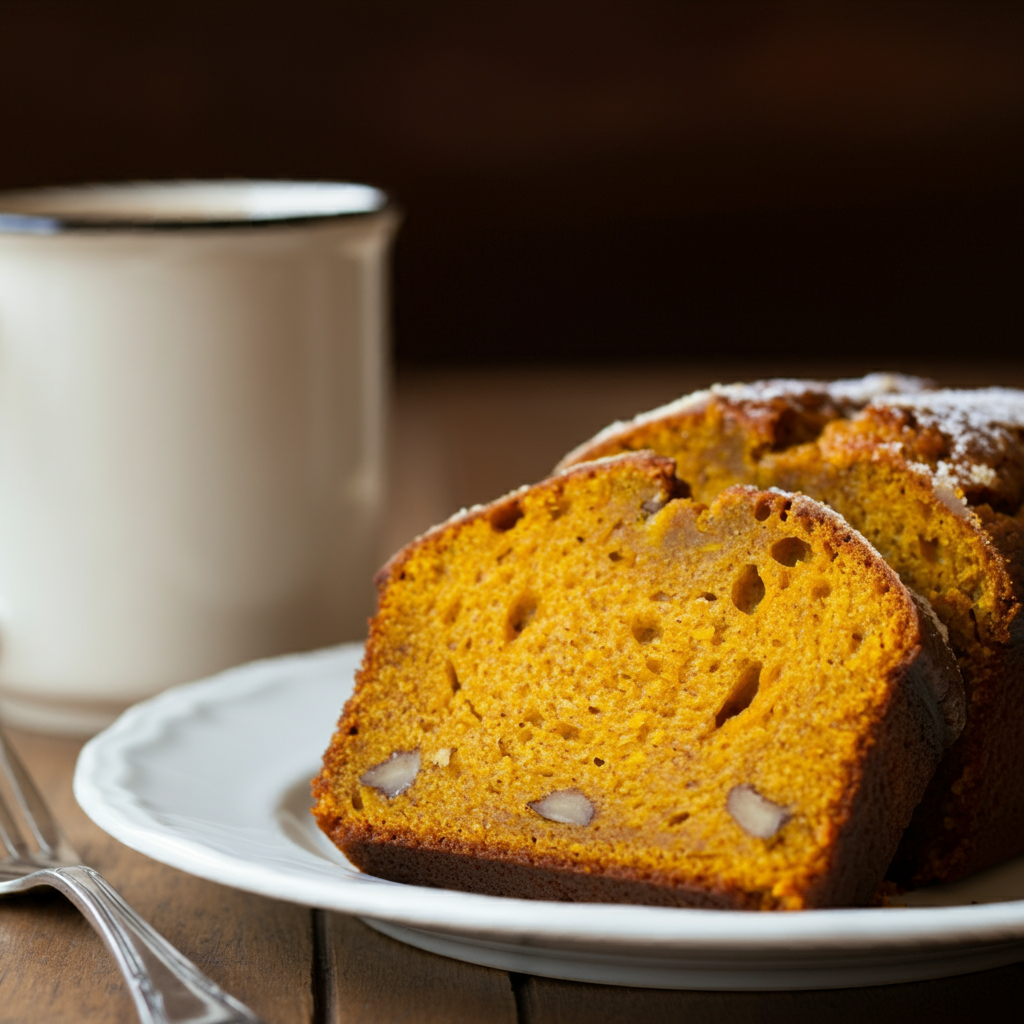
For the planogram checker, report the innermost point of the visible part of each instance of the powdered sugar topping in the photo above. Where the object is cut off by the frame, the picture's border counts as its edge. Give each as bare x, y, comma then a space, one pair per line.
980, 427
854, 391
965, 416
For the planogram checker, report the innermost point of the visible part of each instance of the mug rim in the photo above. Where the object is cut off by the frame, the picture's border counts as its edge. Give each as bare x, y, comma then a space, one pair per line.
56, 209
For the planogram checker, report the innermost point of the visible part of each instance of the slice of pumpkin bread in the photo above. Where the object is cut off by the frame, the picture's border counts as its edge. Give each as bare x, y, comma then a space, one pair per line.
599, 689
935, 481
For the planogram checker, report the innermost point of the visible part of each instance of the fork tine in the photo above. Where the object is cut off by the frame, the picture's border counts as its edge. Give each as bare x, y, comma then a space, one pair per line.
53, 843
10, 834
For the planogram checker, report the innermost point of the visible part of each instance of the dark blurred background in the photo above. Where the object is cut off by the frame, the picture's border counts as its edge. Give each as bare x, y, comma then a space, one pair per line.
638, 181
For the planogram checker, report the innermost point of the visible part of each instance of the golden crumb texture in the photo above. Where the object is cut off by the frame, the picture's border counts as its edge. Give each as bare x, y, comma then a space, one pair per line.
599, 688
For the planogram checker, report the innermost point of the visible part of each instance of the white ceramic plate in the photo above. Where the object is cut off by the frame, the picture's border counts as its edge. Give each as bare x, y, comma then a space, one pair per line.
213, 778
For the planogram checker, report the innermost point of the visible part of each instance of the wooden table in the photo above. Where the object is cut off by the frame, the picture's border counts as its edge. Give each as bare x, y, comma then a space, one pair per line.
458, 437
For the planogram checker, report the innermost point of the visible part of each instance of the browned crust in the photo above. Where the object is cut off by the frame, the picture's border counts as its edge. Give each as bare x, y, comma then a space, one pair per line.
867, 825
925, 714
980, 776
475, 871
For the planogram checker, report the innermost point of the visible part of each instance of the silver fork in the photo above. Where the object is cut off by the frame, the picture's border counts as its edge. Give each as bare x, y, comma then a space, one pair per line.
167, 987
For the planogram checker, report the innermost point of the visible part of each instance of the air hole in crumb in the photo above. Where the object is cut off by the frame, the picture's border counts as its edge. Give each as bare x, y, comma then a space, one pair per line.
929, 549
453, 611
830, 552
654, 665
646, 632
791, 550
820, 590
593, 710
784, 514
615, 556
660, 595
354, 731
357, 802
763, 509
565, 730
678, 819
520, 616
598, 761
856, 639
453, 677
505, 517
708, 596
748, 590
742, 694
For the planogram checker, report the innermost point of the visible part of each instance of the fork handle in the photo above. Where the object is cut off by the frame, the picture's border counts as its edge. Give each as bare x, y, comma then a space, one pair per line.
166, 986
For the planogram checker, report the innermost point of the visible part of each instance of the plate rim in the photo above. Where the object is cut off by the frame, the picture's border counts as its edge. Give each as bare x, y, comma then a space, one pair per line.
582, 926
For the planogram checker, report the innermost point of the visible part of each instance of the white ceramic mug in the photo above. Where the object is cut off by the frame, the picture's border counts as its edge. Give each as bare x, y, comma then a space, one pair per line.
192, 389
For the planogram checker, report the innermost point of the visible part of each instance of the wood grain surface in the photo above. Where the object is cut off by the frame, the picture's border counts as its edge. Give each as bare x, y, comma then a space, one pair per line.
54, 968
457, 438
